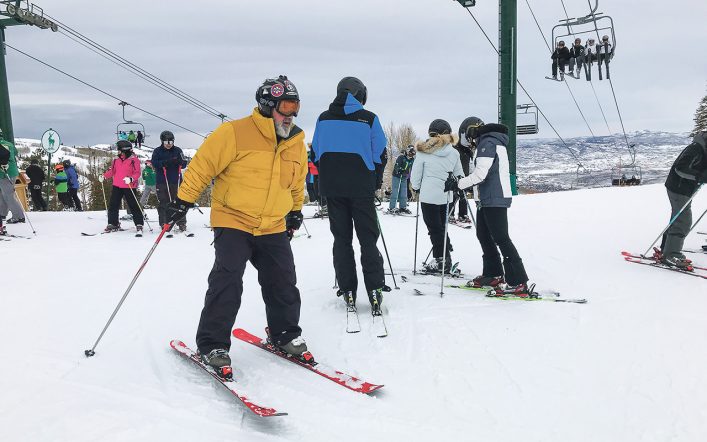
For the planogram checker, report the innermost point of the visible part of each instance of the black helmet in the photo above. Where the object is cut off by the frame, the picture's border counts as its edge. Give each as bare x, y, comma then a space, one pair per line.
355, 87
470, 128
439, 127
166, 135
66, 163
124, 146
272, 92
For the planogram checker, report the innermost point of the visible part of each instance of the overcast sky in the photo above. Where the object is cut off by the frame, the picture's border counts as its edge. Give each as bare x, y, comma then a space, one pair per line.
420, 59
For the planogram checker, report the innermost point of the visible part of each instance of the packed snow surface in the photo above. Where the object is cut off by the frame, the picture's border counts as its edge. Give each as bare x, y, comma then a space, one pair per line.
627, 366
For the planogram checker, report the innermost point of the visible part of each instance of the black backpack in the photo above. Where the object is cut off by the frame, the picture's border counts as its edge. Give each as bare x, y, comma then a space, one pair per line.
4, 155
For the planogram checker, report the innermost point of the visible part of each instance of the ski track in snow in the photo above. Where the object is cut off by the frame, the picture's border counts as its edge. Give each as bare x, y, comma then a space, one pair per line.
629, 365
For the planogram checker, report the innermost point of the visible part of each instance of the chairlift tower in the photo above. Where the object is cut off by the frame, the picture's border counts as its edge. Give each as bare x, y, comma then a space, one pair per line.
14, 13
507, 74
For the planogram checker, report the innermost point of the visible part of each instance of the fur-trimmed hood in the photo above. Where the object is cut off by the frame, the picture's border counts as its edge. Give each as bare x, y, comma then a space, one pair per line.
434, 144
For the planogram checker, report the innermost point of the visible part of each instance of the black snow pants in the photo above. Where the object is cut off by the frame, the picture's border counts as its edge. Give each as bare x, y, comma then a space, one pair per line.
271, 255
434, 216
344, 214
492, 232
75, 199
37, 198
116, 196
166, 195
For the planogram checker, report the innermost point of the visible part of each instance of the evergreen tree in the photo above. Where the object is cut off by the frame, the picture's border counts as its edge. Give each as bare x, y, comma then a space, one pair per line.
700, 116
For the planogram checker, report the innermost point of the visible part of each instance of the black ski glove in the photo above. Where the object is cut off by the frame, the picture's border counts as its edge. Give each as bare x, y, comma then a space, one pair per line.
451, 184
177, 211
293, 221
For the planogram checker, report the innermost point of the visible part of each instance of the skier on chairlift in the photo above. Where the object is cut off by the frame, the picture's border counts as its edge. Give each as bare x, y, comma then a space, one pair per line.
605, 53
561, 57
577, 53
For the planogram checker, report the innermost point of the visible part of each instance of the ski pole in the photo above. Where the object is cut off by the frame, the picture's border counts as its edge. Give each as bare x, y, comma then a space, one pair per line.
169, 193
105, 201
306, 229
144, 217
428, 256
20, 203
92, 351
468, 206
196, 206
444, 246
386, 252
417, 222
673, 220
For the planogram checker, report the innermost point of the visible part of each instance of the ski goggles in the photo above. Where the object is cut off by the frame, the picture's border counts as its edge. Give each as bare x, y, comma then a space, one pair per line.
168, 142
287, 108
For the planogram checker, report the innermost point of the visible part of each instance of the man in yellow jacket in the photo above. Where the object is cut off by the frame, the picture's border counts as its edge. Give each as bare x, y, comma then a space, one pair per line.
259, 164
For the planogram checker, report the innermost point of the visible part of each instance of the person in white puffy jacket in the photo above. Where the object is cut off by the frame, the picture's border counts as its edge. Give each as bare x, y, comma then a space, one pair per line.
436, 158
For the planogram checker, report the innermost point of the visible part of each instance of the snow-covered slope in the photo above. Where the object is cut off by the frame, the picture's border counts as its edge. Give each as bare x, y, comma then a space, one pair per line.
627, 366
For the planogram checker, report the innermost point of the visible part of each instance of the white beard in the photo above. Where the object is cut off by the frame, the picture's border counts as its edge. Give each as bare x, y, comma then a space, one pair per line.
283, 132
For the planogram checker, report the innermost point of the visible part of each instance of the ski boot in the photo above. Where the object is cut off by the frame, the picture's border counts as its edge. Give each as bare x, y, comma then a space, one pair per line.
139, 230
392, 211
678, 263
375, 297
297, 348
521, 290
3, 229
112, 228
464, 219
482, 281
405, 211
435, 266
220, 361
349, 297
657, 254
15, 220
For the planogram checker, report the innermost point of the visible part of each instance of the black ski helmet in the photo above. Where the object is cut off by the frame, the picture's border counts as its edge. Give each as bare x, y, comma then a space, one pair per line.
124, 146
471, 127
439, 127
355, 87
166, 135
274, 90
66, 163
469, 121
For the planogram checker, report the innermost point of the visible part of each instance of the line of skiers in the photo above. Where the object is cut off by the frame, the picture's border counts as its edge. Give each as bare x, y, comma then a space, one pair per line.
582, 57
162, 176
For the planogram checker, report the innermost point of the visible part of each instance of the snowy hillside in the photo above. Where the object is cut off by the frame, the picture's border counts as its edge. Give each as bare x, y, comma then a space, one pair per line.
626, 366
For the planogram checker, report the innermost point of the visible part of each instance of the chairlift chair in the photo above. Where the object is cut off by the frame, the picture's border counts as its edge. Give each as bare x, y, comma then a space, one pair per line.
128, 125
529, 111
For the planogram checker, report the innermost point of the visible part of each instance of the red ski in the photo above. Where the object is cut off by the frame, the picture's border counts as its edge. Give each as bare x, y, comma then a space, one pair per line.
231, 385
339, 377
649, 258
652, 263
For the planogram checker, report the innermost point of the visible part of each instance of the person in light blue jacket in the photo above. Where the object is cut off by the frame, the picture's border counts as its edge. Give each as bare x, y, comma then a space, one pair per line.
436, 158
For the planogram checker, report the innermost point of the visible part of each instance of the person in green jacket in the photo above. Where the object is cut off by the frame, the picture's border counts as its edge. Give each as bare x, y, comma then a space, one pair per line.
8, 176
61, 184
148, 176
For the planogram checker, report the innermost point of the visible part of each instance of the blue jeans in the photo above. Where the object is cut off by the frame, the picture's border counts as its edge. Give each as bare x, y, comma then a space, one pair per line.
399, 192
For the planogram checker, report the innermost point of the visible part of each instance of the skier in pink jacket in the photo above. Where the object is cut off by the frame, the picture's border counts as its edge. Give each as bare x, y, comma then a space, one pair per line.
125, 171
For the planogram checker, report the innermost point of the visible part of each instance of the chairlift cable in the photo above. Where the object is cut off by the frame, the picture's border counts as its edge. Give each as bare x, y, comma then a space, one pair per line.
172, 89
600, 108
574, 155
101, 90
132, 71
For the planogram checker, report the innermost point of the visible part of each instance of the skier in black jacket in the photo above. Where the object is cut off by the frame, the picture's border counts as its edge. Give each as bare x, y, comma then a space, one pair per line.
466, 153
36, 177
168, 161
577, 53
688, 172
561, 56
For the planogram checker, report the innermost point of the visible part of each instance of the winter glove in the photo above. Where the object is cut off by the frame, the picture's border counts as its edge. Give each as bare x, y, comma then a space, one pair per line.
127, 180
293, 221
451, 185
177, 211
4, 167
101, 178
173, 161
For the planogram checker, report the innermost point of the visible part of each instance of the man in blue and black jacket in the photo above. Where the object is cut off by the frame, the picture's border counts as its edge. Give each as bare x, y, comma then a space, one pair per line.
168, 161
349, 146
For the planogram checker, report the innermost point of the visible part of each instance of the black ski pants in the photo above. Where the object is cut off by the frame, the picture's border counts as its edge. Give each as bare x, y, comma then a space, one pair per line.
116, 196
74, 193
271, 255
435, 218
492, 232
344, 214
165, 195
35, 191
561, 62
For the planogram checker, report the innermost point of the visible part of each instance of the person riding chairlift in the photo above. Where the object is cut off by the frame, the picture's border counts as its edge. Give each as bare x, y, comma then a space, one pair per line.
560, 56
605, 53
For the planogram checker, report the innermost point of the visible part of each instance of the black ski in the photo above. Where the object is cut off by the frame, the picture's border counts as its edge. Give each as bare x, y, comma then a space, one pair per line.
102, 233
